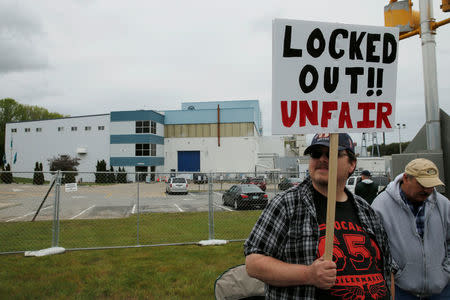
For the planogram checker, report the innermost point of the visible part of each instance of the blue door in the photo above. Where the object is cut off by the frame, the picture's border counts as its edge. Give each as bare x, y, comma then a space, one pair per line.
188, 161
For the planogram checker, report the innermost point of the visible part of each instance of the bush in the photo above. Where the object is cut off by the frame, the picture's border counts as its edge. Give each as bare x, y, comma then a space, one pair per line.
38, 176
7, 176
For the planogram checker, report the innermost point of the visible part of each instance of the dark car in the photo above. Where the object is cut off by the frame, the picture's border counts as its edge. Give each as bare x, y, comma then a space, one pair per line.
260, 182
199, 178
245, 196
287, 183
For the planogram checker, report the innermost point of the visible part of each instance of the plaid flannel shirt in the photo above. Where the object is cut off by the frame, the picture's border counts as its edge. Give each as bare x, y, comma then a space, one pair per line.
288, 230
417, 211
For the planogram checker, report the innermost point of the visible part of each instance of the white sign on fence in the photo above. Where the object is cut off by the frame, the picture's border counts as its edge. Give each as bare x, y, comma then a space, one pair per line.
71, 187
331, 77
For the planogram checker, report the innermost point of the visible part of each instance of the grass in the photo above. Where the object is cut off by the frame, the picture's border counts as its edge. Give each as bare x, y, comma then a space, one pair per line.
168, 272
165, 272
154, 228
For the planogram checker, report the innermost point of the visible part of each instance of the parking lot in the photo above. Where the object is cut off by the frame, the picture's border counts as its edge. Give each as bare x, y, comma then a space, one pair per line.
19, 202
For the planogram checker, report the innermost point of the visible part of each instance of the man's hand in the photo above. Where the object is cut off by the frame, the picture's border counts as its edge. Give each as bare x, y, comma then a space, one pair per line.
322, 273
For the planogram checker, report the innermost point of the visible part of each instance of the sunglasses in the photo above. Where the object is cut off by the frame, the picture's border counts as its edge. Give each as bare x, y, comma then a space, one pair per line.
316, 154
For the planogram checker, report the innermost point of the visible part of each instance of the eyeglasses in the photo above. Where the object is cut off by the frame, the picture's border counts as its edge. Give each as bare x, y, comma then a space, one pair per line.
316, 154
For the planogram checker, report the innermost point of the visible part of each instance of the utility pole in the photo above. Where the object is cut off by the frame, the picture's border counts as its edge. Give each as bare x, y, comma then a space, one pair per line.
433, 126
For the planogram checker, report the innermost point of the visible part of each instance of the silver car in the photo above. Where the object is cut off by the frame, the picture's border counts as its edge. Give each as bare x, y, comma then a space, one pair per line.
177, 185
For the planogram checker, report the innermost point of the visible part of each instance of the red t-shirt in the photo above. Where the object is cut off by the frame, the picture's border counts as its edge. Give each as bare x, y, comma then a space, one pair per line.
356, 254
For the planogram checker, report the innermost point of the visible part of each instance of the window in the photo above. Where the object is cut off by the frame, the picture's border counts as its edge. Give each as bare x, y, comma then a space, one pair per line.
101, 127
13, 129
74, 128
152, 149
145, 149
87, 128
27, 129
153, 127
61, 128
142, 149
142, 126
38, 129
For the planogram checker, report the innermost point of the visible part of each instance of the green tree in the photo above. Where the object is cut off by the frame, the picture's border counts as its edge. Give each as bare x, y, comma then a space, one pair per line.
12, 111
38, 176
65, 163
7, 176
389, 149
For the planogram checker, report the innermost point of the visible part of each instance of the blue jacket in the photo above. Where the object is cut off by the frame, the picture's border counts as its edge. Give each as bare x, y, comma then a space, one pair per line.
423, 266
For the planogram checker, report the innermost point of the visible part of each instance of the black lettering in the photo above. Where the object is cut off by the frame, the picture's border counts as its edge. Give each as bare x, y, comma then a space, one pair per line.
316, 34
354, 72
331, 84
389, 40
287, 50
308, 69
332, 46
355, 45
370, 50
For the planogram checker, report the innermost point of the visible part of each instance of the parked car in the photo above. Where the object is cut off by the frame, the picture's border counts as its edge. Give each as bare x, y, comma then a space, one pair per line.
288, 182
259, 181
351, 183
245, 196
177, 185
199, 178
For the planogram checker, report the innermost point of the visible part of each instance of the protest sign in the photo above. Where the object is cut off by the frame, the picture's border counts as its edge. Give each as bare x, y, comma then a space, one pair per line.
331, 77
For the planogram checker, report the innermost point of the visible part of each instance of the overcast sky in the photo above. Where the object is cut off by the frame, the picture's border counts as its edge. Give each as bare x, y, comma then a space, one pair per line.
88, 57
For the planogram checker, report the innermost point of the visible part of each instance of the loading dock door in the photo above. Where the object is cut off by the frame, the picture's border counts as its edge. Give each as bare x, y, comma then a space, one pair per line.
188, 161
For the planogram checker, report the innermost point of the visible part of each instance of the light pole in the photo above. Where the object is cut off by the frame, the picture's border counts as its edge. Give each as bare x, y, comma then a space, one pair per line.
400, 126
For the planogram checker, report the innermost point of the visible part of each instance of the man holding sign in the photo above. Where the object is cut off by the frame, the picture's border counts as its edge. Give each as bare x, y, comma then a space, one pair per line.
285, 248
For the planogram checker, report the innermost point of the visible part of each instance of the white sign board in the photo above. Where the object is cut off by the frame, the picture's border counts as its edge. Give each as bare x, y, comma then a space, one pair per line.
71, 187
331, 77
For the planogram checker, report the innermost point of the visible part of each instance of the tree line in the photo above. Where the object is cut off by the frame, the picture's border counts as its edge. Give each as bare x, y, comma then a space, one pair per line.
12, 111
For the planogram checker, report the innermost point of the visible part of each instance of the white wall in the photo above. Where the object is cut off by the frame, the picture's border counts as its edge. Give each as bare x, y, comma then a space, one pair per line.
235, 154
271, 144
40, 146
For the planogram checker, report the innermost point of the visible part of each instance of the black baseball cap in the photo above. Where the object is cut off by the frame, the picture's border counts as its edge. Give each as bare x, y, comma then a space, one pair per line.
323, 139
366, 173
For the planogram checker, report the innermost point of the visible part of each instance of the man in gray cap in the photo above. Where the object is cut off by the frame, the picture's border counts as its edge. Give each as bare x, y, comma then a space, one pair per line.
286, 246
416, 218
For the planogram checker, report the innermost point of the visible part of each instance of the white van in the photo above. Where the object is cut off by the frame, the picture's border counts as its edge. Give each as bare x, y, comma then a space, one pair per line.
351, 183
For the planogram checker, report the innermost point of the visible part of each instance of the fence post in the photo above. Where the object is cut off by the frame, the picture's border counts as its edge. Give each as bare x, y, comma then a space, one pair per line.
55, 227
137, 206
211, 208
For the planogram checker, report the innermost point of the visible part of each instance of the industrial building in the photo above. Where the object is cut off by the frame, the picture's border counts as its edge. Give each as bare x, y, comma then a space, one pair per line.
220, 136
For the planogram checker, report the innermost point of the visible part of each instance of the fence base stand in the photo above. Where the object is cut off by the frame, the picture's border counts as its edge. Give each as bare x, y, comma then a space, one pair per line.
212, 242
44, 252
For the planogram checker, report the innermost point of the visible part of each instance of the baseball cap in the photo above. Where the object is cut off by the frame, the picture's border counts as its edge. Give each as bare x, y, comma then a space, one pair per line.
365, 173
425, 172
345, 142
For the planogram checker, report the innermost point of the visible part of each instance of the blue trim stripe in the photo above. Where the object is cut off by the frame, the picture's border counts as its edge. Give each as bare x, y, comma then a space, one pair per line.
136, 161
136, 138
137, 115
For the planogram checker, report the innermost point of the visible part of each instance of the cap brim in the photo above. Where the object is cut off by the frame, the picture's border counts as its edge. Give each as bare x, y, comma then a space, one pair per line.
429, 182
309, 149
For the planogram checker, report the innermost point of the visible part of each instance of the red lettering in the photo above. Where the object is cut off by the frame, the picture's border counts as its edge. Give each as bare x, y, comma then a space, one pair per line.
337, 226
351, 227
288, 120
344, 116
344, 225
307, 113
382, 116
326, 115
366, 122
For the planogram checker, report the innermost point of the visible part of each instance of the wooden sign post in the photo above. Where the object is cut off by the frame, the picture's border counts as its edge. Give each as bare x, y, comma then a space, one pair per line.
331, 204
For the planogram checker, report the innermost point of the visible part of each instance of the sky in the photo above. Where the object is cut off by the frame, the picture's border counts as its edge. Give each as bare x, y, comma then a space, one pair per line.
88, 57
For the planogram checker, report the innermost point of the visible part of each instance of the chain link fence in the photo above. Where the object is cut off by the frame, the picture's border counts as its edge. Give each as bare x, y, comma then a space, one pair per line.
77, 210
